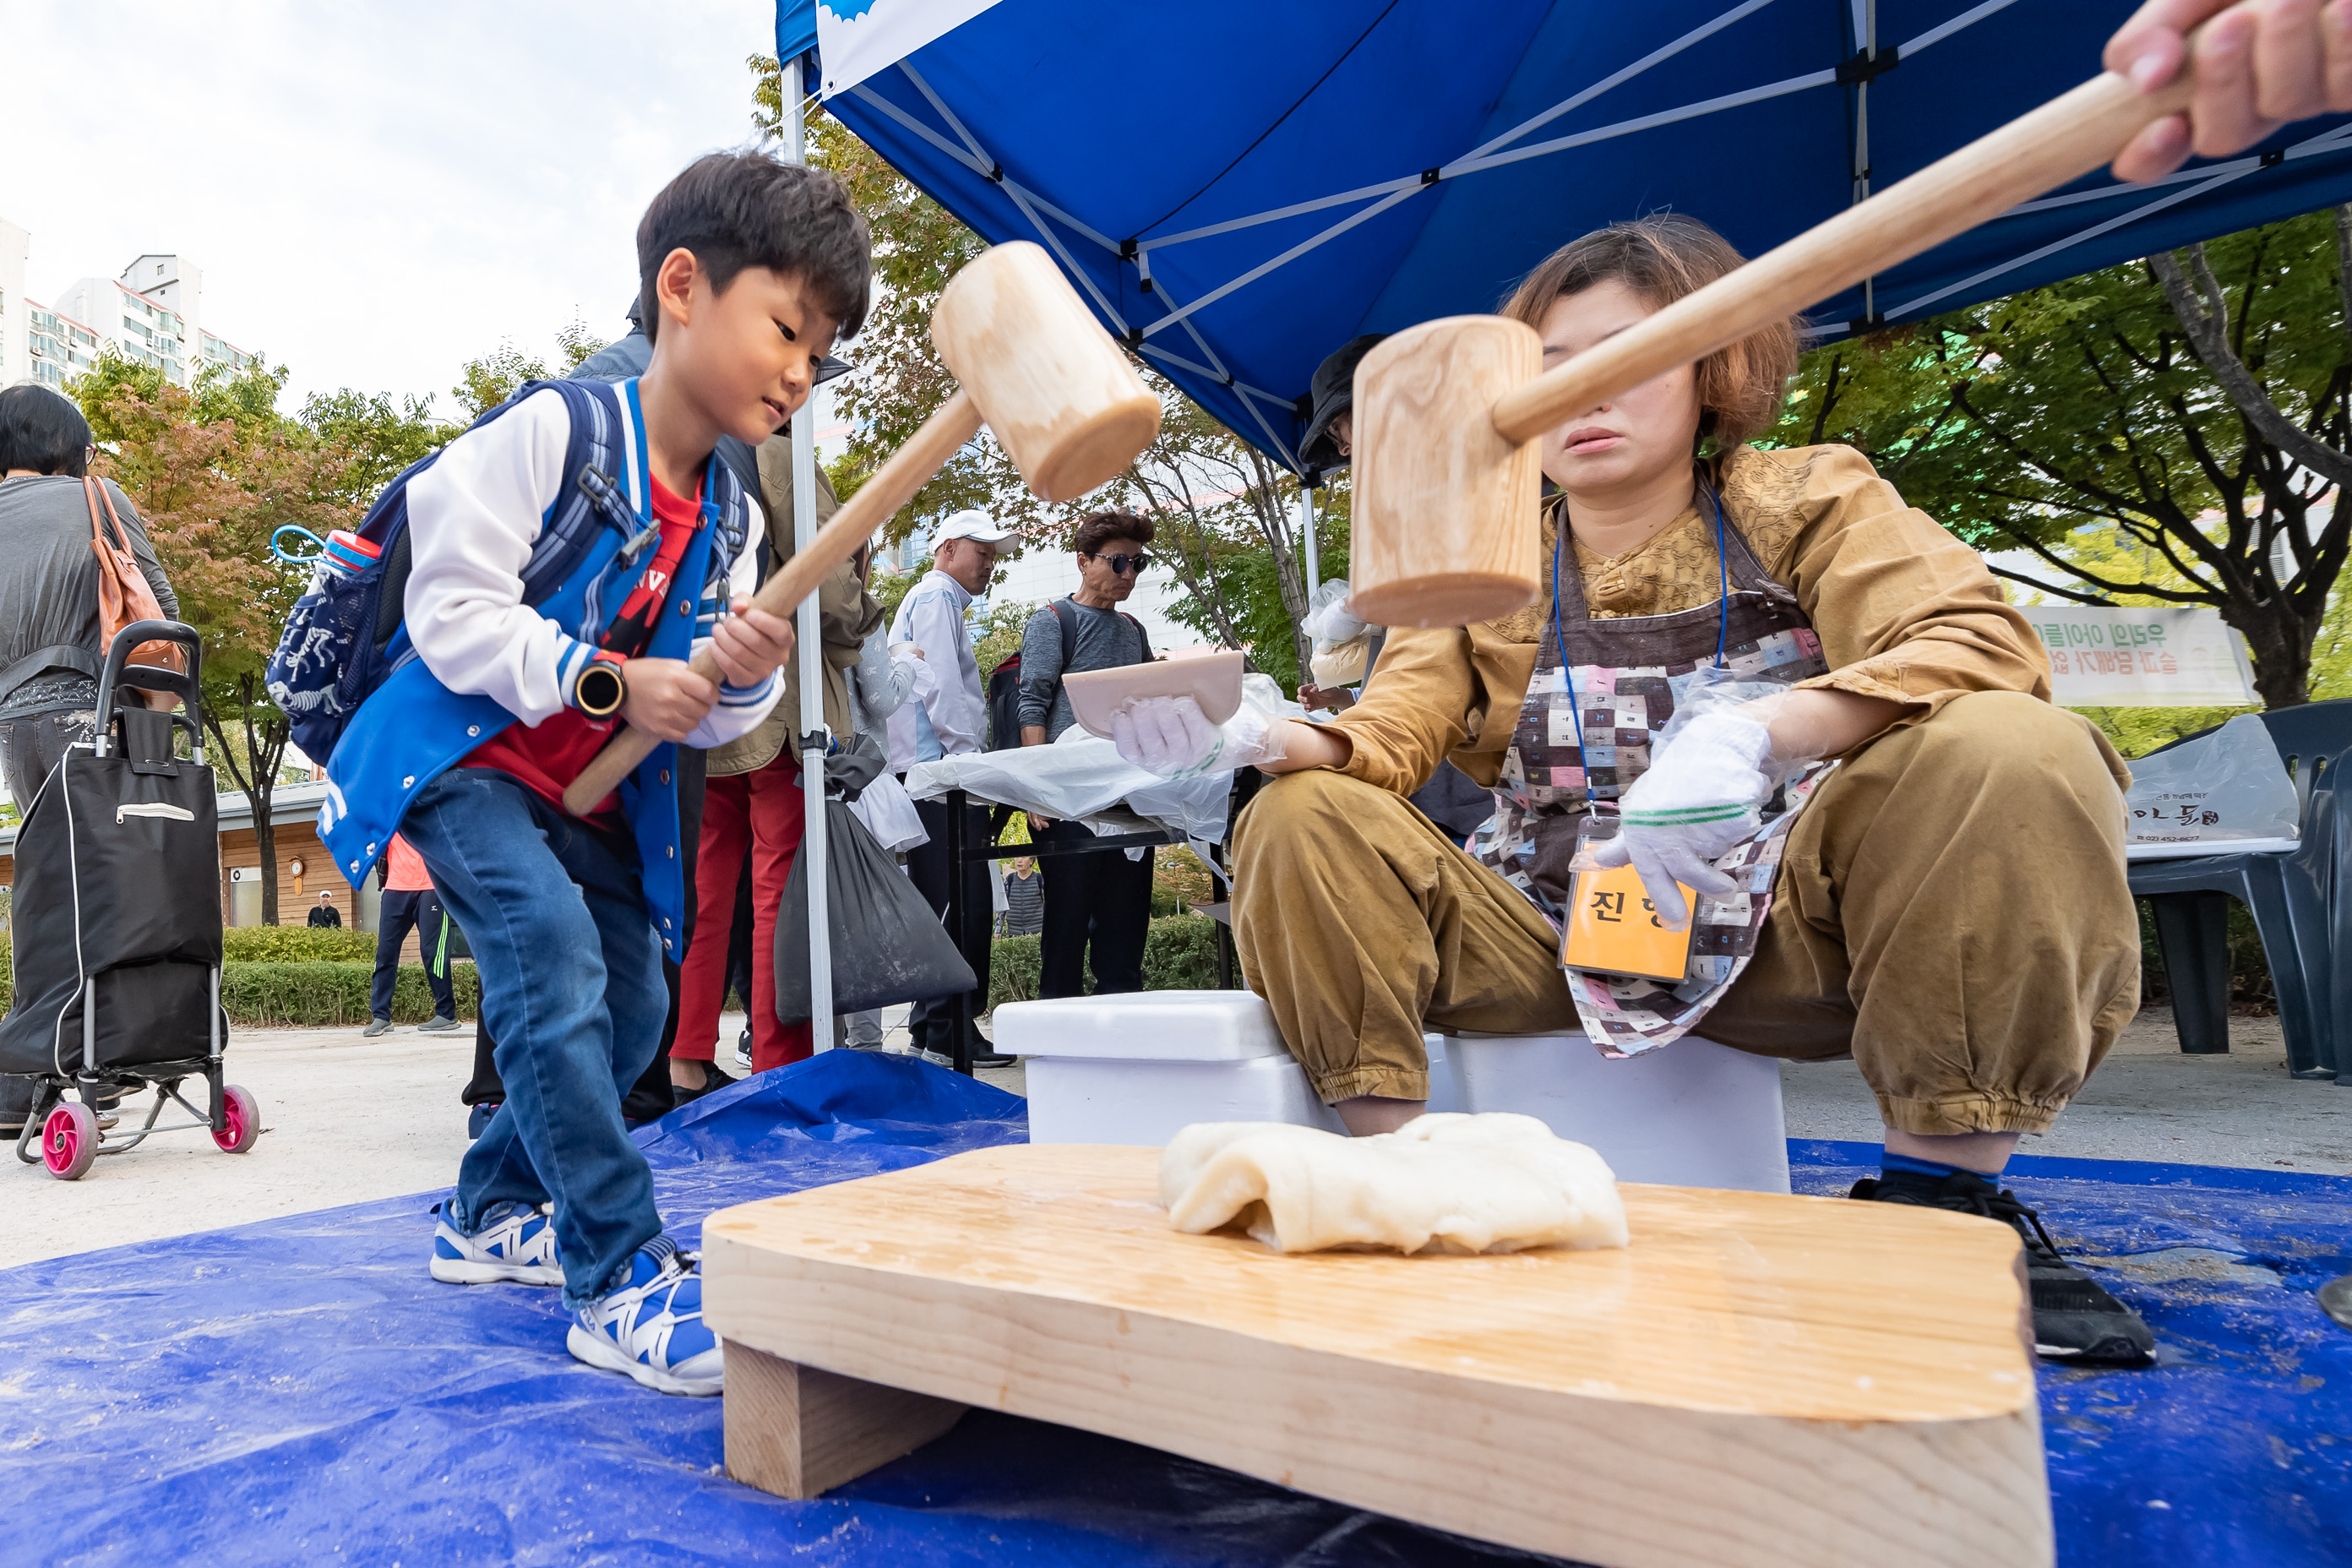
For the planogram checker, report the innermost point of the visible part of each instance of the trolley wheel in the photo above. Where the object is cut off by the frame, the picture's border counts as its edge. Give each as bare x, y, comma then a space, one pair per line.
69, 1141
244, 1118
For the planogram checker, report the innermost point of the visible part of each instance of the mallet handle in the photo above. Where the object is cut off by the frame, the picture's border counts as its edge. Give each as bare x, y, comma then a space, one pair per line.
894, 484
2063, 140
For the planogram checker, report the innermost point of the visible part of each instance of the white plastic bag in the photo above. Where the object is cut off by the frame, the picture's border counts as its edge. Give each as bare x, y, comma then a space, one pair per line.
1073, 779
890, 816
2230, 784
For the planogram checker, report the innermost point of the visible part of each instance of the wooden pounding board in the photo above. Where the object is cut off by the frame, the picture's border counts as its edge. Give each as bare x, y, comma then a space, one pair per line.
1757, 1380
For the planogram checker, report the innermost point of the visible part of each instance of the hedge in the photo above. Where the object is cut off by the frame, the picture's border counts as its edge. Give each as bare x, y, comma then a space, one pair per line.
314, 995
321, 995
297, 945
269, 980
1179, 955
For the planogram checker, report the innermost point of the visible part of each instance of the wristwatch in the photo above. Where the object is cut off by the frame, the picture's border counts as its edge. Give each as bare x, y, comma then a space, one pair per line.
600, 688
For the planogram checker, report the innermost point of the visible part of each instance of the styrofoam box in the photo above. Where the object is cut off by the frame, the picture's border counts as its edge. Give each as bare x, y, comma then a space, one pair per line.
1137, 1068
1691, 1114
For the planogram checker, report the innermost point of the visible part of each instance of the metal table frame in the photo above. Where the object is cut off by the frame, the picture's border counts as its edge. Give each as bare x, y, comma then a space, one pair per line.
960, 855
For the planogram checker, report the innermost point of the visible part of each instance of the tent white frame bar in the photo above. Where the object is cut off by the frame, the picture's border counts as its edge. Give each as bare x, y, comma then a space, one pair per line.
810, 635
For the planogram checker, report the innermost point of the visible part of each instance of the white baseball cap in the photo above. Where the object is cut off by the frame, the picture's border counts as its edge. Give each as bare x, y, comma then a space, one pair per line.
972, 523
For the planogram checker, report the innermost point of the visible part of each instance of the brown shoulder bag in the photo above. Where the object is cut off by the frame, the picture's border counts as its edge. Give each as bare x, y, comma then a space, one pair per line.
123, 594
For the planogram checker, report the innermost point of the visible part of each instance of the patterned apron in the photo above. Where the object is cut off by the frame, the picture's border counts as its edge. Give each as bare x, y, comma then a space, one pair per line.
1626, 675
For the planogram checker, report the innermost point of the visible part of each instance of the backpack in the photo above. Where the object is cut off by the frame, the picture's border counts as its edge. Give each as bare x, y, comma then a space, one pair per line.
1005, 681
345, 634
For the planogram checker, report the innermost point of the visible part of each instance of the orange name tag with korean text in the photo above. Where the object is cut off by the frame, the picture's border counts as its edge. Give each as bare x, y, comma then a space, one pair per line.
1612, 930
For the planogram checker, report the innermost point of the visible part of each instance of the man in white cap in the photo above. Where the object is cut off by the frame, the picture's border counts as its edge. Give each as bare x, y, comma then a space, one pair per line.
950, 718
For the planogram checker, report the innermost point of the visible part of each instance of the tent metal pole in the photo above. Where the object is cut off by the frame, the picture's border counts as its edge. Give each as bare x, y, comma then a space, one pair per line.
1307, 530
810, 652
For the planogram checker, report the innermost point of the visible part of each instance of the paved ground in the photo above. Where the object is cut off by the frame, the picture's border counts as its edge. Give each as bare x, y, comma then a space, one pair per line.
350, 1119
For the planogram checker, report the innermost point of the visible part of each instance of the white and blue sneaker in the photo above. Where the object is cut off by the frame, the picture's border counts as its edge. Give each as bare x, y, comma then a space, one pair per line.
516, 1245
650, 1325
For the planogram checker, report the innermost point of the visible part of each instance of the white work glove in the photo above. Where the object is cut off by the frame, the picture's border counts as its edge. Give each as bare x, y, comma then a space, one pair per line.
1171, 737
1703, 794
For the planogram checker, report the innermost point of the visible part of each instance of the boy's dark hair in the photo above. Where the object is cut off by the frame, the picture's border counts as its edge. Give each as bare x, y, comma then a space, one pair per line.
735, 210
1096, 531
40, 430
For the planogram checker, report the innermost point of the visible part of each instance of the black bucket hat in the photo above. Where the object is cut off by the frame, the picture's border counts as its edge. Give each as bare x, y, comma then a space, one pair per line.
1334, 392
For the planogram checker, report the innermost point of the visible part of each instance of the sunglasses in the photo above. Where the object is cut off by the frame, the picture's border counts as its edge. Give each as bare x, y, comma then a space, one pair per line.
1121, 565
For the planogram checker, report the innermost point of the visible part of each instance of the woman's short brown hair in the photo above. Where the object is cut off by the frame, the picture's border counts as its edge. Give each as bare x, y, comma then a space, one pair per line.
1663, 257
1095, 530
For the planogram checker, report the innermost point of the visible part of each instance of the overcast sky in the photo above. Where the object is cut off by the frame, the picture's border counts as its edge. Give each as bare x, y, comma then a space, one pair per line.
375, 193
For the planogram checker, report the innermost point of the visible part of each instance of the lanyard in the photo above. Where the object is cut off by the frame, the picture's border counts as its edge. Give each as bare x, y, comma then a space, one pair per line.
1559, 640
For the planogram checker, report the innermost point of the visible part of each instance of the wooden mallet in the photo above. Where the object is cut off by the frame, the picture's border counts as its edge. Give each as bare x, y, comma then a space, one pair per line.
1035, 367
1447, 529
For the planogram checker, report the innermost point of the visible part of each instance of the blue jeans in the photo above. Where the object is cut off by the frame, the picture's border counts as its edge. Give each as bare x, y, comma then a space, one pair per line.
571, 992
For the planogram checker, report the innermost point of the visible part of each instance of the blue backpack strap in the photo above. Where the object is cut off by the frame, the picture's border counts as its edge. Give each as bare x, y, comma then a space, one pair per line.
595, 493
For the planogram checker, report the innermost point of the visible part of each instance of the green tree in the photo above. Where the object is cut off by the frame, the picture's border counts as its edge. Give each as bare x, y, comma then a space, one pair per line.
483, 383
381, 438
213, 492
2171, 431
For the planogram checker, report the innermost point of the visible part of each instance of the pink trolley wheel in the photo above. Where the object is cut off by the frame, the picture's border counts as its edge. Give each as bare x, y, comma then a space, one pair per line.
69, 1141
244, 1119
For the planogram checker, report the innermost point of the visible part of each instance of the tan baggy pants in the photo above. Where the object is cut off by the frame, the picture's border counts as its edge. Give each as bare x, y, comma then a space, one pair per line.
1951, 910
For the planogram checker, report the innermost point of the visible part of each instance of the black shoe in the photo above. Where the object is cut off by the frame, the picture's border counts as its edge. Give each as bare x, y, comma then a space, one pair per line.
713, 1080
994, 1059
2074, 1317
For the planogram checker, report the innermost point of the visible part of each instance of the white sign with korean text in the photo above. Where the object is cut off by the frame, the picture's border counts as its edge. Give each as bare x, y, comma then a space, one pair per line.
2129, 657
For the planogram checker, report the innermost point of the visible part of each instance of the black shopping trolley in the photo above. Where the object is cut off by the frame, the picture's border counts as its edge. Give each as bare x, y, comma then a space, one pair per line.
116, 926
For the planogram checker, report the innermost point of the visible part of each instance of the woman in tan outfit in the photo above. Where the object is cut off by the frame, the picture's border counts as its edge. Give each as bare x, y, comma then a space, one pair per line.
1949, 904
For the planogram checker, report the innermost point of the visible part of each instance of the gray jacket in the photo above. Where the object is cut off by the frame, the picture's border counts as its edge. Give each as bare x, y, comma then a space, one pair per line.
49, 647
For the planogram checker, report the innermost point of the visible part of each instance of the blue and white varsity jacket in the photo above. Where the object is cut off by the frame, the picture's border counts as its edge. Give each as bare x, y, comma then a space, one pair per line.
471, 657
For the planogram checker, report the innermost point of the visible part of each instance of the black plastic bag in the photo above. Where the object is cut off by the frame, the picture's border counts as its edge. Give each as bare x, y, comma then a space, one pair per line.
887, 945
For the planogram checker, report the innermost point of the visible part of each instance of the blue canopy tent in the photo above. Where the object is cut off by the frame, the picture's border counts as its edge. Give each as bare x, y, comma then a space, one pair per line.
1239, 187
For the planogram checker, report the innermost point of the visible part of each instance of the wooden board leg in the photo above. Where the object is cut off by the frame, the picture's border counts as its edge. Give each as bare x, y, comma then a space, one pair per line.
798, 1431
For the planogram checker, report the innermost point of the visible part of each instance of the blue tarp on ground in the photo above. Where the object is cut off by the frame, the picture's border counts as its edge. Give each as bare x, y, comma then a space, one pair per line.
1297, 173
300, 1389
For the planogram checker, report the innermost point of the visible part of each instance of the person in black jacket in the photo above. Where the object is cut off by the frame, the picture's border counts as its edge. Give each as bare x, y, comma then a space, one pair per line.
324, 916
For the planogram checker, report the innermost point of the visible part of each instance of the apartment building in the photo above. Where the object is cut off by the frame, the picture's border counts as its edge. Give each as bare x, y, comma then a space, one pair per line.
151, 314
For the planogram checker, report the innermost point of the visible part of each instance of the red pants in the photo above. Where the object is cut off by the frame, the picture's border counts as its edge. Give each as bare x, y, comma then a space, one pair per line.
763, 808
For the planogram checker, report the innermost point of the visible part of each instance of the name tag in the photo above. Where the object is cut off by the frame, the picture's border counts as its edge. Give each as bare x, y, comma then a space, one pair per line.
1613, 930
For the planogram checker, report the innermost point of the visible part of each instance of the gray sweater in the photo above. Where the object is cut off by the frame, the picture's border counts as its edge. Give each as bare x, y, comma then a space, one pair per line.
1106, 639
48, 591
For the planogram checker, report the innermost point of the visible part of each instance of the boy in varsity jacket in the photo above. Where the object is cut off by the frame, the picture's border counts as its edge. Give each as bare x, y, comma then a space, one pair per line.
749, 269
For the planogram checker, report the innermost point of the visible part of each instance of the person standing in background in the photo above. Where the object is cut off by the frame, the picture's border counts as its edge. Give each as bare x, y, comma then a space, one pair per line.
50, 652
1024, 900
409, 903
324, 916
1099, 901
948, 717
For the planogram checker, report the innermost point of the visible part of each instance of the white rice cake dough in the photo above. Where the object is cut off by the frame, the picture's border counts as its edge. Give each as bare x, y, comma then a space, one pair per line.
1442, 1183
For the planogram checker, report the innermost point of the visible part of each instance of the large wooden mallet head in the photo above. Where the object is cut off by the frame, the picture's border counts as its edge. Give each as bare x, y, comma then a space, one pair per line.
1061, 397
1446, 415
1035, 366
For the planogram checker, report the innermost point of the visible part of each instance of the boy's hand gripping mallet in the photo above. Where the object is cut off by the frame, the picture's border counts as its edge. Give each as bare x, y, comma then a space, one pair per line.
1037, 367
1447, 413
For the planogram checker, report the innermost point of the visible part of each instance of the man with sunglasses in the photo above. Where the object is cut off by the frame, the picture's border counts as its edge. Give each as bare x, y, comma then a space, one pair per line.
1101, 901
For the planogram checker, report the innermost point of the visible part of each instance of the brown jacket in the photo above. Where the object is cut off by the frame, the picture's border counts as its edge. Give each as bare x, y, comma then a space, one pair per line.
1904, 610
846, 615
